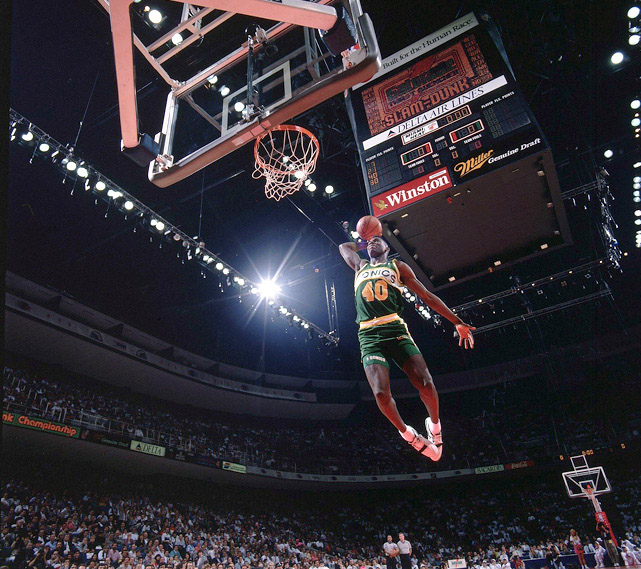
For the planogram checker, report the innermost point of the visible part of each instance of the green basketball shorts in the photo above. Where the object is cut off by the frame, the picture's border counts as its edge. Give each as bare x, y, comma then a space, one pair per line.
380, 344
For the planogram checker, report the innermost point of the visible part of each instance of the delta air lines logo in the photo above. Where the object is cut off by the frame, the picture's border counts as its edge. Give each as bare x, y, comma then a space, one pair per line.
411, 192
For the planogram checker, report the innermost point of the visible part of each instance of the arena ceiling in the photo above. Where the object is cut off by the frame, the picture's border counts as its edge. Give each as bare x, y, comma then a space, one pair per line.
62, 67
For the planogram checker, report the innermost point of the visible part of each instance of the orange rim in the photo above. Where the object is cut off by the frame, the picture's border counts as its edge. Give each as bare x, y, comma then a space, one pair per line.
260, 163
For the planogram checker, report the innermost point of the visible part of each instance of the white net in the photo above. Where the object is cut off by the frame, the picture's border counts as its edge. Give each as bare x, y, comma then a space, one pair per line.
285, 157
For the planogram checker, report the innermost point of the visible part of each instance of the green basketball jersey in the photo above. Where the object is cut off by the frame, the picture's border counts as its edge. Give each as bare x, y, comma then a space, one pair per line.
378, 291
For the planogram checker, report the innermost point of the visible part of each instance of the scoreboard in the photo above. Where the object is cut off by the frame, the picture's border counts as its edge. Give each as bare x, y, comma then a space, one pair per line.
441, 112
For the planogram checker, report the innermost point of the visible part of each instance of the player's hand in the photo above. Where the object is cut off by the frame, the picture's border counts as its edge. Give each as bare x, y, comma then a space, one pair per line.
465, 337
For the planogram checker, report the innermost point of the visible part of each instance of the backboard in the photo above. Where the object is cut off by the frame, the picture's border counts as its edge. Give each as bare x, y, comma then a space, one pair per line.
234, 69
578, 481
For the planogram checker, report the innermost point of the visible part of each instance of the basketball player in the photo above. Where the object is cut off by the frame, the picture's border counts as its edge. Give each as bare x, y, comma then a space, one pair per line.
383, 336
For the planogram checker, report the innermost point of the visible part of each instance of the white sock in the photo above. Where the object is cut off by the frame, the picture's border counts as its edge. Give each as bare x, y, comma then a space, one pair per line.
435, 427
409, 434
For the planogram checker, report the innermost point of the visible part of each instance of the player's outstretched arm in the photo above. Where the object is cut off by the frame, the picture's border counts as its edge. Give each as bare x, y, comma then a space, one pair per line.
349, 252
435, 303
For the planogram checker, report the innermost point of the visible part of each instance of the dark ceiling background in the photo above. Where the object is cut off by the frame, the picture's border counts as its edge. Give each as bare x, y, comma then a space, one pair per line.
62, 66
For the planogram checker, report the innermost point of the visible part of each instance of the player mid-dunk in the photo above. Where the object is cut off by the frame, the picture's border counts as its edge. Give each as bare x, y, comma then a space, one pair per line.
383, 336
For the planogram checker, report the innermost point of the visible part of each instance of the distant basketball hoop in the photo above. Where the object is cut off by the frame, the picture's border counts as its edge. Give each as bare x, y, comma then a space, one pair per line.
285, 156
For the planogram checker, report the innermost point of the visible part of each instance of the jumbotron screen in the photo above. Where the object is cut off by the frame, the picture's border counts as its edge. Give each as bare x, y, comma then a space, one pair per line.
441, 112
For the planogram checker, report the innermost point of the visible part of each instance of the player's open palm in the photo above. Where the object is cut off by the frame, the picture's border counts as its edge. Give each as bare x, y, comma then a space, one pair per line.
465, 337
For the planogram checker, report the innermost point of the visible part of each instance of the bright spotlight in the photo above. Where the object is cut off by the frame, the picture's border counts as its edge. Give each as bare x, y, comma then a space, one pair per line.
608, 153
129, 205
635, 121
638, 213
155, 16
71, 165
285, 159
636, 194
253, 290
616, 58
636, 179
44, 147
268, 289
219, 266
635, 104
27, 136
160, 226
225, 271
153, 222
176, 39
636, 199
637, 186
224, 90
634, 39
239, 106
100, 186
312, 187
634, 12
241, 282
308, 181
355, 235
329, 189
637, 222
212, 79
637, 165
299, 174
83, 172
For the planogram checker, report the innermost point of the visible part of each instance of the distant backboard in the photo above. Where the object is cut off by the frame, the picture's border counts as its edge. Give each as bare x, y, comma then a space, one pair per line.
234, 69
578, 481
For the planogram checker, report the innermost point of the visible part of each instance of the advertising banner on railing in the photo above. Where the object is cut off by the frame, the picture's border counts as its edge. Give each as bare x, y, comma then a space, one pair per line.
38, 424
147, 448
233, 467
108, 439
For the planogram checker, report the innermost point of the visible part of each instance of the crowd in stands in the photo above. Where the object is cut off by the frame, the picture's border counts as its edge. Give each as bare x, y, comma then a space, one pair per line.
102, 521
487, 426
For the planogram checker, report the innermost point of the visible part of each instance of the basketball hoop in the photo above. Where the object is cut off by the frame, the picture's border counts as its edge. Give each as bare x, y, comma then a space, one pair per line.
285, 156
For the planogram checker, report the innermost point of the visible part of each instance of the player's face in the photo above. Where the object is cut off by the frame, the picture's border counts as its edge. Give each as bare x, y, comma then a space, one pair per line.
376, 247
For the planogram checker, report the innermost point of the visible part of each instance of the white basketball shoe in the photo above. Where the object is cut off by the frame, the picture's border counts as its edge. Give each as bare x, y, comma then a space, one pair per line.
421, 444
435, 435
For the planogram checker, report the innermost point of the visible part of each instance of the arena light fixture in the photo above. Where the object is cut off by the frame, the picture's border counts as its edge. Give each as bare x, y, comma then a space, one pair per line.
239, 106
82, 172
636, 186
268, 289
307, 182
44, 147
312, 187
635, 104
616, 58
354, 234
635, 121
212, 79
71, 165
160, 226
637, 221
176, 39
153, 221
219, 266
636, 179
129, 205
224, 90
100, 186
225, 271
637, 165
634, 12
329, 190
634, 39
27, 136
155, 16
608, 153
299, 174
